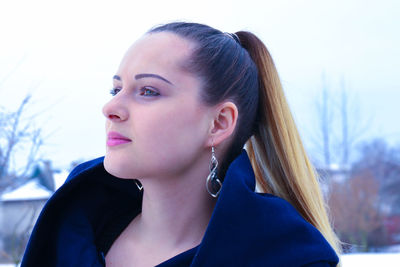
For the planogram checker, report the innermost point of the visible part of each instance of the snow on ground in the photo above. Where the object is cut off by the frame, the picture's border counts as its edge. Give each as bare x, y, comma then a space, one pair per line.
371, 259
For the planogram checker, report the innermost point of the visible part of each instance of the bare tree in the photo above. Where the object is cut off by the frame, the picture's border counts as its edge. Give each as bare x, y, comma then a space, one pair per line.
355, 208
325, 122
370, 195
384, 162
20, 142
339, 123
345, 124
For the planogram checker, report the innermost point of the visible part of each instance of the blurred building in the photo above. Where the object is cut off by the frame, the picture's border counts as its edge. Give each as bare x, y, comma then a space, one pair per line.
20, 207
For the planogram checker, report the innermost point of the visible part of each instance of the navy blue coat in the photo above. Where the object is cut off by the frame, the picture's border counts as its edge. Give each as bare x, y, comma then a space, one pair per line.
82, 219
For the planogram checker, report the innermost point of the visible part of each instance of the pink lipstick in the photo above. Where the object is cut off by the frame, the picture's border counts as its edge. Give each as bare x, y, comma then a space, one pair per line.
115, 139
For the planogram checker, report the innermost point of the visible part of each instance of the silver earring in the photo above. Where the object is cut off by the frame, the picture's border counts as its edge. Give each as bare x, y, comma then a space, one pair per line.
139, 185
213, 183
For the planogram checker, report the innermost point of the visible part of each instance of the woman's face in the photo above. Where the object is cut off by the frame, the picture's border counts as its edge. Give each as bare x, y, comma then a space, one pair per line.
156, 124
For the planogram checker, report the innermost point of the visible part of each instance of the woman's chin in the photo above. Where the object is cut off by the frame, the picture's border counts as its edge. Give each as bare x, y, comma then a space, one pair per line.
116, 169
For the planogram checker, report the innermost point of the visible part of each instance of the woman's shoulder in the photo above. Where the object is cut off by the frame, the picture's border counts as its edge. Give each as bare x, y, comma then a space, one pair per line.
91, 165
260, 228
75, 216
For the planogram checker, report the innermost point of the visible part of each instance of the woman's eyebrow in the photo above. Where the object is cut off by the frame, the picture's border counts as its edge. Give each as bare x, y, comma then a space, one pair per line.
151, 75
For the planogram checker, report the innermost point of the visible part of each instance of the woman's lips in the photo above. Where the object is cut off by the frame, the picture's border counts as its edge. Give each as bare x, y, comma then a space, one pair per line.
115, 139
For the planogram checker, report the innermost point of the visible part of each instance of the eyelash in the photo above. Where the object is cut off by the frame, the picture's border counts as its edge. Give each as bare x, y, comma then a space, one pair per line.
114, 91
153, 92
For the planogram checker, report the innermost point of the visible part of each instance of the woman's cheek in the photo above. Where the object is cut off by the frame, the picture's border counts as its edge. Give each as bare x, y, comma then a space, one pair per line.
174, 130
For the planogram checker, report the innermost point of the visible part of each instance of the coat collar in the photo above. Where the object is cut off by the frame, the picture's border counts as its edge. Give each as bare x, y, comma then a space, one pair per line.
258, 228
245, 229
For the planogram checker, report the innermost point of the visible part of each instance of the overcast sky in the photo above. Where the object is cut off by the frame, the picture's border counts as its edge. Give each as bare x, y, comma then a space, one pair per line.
66, 52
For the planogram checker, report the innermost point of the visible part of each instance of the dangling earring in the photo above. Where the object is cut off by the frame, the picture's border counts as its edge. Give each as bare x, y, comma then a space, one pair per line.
139, 185
213, 184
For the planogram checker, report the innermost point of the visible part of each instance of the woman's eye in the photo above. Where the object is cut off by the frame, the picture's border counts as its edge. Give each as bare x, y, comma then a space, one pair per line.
114, 91
147, 91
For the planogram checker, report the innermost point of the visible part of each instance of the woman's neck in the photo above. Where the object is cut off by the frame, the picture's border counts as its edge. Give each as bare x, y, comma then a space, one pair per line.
175, 211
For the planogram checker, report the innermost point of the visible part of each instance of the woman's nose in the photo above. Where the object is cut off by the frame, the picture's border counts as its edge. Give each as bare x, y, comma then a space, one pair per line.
115, 111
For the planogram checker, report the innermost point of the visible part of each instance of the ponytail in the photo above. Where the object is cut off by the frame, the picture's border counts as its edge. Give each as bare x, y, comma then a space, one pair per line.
279, 160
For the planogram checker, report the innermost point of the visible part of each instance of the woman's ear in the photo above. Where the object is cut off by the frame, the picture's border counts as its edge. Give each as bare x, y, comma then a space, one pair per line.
224, 123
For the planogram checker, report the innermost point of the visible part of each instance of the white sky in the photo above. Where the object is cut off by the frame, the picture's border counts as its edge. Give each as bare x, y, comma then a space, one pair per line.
66, 53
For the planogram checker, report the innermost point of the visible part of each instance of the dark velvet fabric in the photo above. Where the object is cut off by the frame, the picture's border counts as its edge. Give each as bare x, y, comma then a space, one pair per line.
82, 219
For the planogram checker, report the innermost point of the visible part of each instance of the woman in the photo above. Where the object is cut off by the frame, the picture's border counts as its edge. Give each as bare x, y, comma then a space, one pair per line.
187, 98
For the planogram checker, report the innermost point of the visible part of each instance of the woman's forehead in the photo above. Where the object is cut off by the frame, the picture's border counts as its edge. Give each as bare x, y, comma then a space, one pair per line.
159, 49
165, 54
